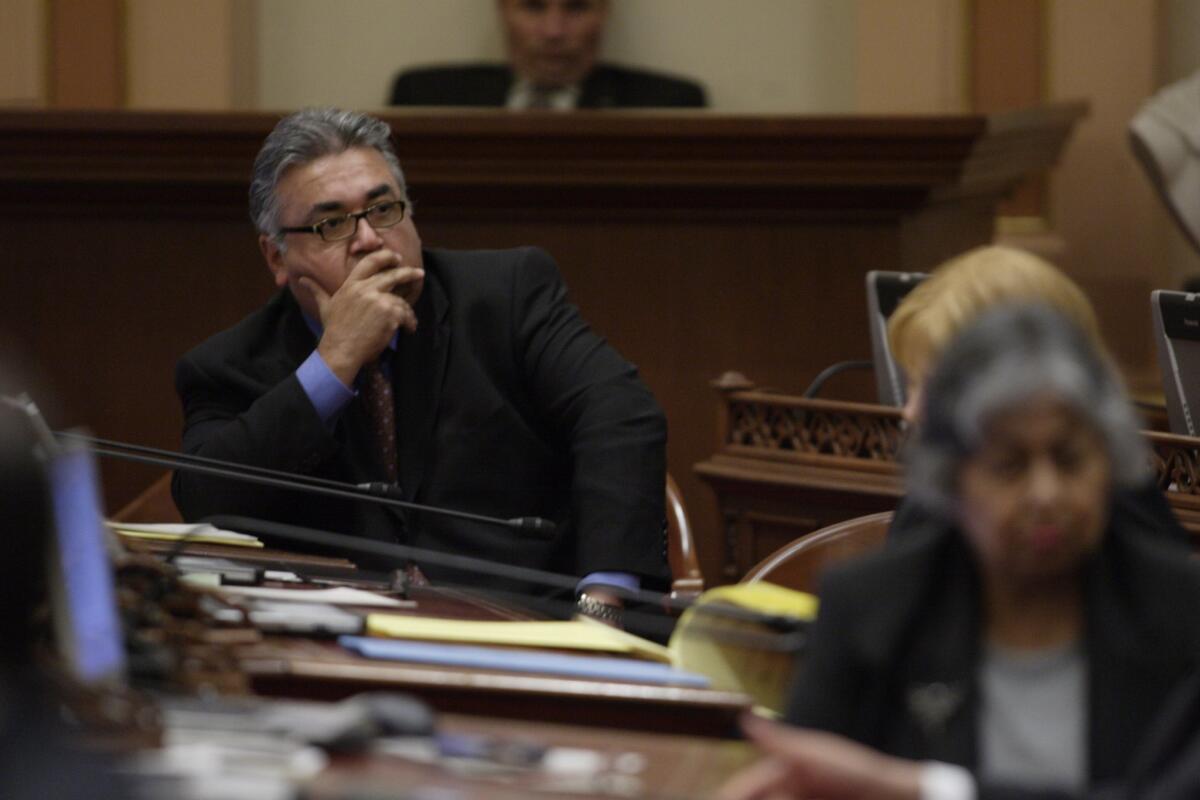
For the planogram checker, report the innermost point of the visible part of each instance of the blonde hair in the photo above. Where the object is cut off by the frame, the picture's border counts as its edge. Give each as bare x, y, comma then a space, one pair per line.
962, 288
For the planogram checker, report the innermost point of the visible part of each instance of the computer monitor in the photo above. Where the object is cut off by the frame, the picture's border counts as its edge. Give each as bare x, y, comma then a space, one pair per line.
885, 290
1177, 335
82, 594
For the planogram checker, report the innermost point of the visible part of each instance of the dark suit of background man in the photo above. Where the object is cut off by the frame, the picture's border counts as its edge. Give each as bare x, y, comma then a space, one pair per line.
552, 46
505, 402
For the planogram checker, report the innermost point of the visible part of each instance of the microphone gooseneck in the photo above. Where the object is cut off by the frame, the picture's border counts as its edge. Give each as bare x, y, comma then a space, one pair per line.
785, 629
376, 492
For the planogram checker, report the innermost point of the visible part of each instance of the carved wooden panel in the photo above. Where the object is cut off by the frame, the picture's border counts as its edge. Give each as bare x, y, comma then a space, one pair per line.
1176, 461
834, 429
786, 466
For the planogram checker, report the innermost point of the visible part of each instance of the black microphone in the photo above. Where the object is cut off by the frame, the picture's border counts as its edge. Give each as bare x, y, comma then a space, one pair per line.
376, 492
779, 632
398, 553
537, 527
534, 526
718, 621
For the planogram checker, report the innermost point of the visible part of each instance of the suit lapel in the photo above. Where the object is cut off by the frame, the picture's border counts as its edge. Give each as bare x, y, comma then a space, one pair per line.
1140, 641
422, 370
298, 338
496, 88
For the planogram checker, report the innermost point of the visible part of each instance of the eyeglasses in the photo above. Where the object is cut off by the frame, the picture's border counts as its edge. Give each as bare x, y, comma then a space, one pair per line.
344, 226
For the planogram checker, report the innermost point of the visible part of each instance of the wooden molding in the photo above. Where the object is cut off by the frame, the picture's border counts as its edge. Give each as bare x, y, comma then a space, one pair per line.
584, 164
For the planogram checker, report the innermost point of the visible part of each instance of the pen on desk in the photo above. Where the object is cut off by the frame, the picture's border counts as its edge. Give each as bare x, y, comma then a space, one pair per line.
509, 752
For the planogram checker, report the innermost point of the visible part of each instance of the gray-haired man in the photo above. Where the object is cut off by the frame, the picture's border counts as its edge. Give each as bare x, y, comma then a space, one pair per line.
500, 398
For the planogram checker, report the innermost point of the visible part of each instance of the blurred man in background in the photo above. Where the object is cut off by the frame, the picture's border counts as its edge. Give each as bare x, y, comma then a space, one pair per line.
552, 55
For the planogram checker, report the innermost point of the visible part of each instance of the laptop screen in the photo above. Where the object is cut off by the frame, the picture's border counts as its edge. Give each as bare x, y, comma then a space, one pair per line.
885, 290
86, 618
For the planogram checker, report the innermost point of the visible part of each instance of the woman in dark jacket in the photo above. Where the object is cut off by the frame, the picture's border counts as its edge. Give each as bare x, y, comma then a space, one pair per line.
1022, 632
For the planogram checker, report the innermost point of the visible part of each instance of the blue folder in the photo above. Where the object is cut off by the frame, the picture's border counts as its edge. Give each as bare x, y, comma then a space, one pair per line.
540, 662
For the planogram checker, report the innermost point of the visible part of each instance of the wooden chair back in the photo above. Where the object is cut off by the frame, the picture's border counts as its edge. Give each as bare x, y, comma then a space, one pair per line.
686, 579
799, 564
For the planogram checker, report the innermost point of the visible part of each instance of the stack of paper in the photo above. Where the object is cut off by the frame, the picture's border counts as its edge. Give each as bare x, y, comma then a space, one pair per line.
199, 533
338, 596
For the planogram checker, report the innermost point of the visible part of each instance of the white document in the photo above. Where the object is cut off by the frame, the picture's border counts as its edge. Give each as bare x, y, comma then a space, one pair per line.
338, 596
179, 531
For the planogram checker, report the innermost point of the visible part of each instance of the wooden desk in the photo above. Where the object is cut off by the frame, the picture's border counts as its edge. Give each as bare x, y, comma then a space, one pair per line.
671, 766
312, 670
320, 670
295, 667
785, 466
265, 557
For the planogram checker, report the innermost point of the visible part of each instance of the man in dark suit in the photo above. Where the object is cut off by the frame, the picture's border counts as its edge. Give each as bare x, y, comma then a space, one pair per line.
552, 46
1023, 634
466, 378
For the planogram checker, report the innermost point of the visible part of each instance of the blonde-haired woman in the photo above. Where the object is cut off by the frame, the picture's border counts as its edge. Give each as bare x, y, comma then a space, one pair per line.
953, 297
963, 287
1024, 634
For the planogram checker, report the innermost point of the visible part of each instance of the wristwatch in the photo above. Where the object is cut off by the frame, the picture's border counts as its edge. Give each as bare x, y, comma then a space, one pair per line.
591, 607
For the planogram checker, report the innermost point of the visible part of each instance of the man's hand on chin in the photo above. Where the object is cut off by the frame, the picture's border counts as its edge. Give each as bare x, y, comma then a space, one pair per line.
359, 319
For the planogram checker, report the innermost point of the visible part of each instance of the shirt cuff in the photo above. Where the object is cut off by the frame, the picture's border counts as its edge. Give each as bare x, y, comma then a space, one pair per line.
325, 391
941, 781
617, 580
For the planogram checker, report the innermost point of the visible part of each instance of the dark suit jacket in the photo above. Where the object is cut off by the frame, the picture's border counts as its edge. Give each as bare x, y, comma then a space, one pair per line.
606, 86
894, 655
507, 404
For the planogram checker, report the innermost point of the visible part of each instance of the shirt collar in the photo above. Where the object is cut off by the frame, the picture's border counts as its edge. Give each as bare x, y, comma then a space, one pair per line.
522, 93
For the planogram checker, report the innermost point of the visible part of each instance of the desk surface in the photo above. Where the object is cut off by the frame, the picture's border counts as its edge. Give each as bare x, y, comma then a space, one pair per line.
302, 668
319, 669
642, 765
297, 667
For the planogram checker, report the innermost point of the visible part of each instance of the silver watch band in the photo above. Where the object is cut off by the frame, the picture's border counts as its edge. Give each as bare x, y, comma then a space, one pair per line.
591, 607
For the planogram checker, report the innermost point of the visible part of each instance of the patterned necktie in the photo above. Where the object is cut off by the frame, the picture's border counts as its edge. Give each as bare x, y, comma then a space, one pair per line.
376, 391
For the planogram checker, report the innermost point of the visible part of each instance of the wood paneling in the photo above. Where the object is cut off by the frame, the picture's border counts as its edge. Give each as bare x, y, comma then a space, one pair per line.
87, 54
1008, 71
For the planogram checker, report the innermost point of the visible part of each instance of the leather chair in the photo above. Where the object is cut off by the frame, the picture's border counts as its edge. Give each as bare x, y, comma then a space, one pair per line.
686, 580
798, 565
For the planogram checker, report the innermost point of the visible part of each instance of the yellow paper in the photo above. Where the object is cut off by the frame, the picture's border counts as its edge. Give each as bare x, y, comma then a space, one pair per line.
576, 634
